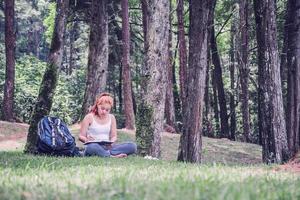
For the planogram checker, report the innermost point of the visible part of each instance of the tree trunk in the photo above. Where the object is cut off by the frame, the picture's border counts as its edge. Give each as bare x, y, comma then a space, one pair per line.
49, 82
10, 46
232, 81
207, 123
151, 110
293, 63
98, 54
244, 67
127, 90
182, 50
145, 21
215, 103
271, 114
192, 110
114, 73
208, 129
120, 90
170, 109
283, 59
2, 20
220, 86
72, 53
176, 95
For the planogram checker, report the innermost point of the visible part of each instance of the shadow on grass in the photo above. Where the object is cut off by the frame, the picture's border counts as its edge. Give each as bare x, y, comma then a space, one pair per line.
19, 160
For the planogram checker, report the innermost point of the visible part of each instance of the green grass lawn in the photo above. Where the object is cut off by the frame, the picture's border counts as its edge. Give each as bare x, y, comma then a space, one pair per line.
230, 170
37, 177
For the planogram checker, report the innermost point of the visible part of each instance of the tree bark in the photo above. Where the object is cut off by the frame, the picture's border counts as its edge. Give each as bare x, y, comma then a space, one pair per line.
127, 90
10, 46
271, 114
219, 82
49, 82
232, 67
145, 21
283, 58
98, 54
244, 67
72, 54
182, 51
120, 90
114, 73
208, 129
191, 145
293, 63
151, 110
170, 109
207, 121
176, 95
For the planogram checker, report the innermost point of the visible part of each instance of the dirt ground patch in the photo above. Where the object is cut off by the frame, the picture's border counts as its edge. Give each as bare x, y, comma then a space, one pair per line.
15, 136
10, 145
8, 128
293, 165
12, 135
290, 168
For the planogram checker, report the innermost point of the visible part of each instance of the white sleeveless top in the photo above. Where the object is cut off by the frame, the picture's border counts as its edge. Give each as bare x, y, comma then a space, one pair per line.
98, 131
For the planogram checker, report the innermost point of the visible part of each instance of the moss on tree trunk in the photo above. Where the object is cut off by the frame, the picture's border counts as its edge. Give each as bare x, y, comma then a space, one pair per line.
144, 130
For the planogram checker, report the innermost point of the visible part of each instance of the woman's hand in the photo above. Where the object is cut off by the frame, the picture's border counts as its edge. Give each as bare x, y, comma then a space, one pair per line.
89, 138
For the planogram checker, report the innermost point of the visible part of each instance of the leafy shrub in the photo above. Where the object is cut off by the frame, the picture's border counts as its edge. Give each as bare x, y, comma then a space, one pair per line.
29, 73
120, 117
68, 96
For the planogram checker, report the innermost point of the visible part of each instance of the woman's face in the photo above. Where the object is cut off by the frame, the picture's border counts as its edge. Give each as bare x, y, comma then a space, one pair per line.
103, 109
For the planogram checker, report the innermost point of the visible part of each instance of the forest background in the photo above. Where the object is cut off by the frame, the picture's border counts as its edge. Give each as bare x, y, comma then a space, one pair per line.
232, 81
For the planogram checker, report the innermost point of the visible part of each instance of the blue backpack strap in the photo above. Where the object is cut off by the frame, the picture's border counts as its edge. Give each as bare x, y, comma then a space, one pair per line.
59, 130
40, 127
52, 131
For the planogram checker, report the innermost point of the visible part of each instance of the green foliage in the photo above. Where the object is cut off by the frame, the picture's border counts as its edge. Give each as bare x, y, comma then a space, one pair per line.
31, 17
134, 3
223, 11
120, 118
68, 96
29, 73
37, 177
30, 27
49, 22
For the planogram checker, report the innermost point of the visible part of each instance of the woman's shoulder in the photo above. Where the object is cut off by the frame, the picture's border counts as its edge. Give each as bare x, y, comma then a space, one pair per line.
89, 117
112, 116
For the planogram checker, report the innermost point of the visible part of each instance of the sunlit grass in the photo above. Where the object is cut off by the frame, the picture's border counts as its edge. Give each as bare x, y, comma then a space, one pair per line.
36, 177
230, 170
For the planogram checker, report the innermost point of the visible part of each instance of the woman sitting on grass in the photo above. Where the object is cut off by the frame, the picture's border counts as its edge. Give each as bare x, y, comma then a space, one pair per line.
100, 125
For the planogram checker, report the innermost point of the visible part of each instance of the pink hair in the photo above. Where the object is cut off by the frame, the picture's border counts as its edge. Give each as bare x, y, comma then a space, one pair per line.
102, 99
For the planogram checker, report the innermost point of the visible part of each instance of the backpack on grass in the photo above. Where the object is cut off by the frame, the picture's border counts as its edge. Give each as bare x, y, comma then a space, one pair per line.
55, 139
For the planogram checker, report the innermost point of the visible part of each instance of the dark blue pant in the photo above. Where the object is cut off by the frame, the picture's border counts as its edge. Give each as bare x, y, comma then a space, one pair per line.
95, 149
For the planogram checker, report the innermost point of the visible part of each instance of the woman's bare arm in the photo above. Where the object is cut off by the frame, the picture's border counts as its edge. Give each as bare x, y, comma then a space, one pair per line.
84, 127
113, 131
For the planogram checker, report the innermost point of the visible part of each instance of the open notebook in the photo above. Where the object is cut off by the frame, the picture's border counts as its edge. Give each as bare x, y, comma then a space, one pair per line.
101, 142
